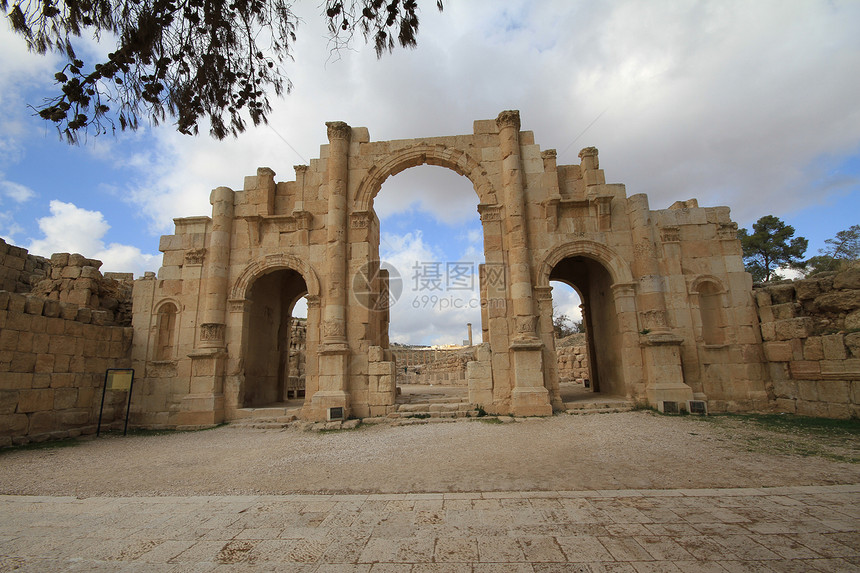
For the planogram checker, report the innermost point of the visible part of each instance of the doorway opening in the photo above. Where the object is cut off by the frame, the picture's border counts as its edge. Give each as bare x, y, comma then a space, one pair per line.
602, 339
430, 232
274, 352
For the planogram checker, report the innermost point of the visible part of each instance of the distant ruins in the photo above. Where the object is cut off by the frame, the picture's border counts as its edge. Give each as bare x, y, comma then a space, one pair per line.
671, 316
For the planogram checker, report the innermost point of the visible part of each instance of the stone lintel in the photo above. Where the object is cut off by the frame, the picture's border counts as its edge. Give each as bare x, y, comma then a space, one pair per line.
661, 339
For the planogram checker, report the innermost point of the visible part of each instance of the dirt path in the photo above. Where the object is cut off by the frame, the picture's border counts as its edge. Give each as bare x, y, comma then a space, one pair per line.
610, 451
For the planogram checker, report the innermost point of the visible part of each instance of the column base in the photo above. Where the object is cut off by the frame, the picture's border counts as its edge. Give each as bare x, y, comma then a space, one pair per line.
530, 402
322, 404
669, 392
200, 411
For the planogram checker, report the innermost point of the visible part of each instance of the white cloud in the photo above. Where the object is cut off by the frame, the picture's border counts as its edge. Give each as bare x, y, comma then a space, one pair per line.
565, 300
747, 105
15, 191
431, 309
71, 229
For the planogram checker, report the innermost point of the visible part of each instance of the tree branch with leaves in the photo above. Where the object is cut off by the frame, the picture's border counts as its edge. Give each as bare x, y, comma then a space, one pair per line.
187, 60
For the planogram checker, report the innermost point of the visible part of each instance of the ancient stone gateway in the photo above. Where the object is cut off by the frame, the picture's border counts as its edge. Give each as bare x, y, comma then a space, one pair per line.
668, 305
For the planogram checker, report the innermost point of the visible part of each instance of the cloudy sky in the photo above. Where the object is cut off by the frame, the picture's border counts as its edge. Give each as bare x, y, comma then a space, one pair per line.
748, 104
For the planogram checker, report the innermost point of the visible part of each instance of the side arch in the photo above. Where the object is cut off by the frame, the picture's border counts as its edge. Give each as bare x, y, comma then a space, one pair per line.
270, 263
420, 154
701, 279
618, 269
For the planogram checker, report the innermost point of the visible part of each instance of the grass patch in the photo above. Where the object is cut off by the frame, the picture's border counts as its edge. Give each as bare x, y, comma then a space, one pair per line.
790, 434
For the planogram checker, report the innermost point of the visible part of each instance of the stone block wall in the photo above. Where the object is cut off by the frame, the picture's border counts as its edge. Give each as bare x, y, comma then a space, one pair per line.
76, 279
20, 271
53, 357
811, 337
572, 363
432, 365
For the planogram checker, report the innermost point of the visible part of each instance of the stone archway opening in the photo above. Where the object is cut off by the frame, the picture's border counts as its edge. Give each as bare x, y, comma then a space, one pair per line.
274, 374
571, 342
431, 233
603, 343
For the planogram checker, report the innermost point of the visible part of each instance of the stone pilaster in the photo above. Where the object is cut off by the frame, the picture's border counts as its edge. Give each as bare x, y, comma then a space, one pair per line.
661, 347
529, 396
334, 350
204, 405
216, 270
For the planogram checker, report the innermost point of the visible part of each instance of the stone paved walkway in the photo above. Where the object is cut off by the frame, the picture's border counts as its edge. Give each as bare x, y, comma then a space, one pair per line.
811, 528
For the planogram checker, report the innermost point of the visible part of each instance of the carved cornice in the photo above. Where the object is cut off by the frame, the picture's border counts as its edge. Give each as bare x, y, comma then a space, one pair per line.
542, 292
549, 154
727, 231
303, 219
670, 234
212, 332
490, 212
238, 304
338, 130
509, 118
300, 168
588, 152
194, 256
359, 220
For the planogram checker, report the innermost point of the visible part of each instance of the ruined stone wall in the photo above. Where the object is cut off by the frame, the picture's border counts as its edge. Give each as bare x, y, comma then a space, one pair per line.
53, 357
76, 279
572, 363
811, 334
298, 355
432, 365
19, 271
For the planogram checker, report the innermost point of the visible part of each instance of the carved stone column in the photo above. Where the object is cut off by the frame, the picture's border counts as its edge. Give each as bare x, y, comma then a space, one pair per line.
661, 347
334, 350
204, 405
529, 396
543, 297
216, 270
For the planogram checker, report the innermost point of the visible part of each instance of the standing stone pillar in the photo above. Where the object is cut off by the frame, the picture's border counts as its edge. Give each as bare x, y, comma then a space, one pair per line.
529, 396
204, 405
661, 347
216, 270
332, 399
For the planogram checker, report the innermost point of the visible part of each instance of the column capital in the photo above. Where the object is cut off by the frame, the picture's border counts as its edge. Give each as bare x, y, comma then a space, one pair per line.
509, 118
338, 130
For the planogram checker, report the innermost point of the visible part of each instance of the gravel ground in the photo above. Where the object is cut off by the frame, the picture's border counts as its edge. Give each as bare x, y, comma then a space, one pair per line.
632, 450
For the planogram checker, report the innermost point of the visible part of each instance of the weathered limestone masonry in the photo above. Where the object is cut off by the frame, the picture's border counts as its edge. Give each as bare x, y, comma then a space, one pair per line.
811, 332
573, 364
422, 365
53, 357
667, 303
19, 271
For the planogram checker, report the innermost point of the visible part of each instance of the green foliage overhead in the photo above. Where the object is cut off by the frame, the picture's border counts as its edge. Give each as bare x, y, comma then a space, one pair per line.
771, 245
189, 60
841, 250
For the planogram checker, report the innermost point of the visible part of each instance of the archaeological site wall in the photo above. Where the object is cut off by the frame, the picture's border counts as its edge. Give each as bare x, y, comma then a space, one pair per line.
54, 352
572, 363
811, 334
423, 365
19, 270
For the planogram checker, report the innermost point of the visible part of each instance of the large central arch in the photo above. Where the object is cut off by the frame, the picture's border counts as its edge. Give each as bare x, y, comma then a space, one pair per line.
423, 154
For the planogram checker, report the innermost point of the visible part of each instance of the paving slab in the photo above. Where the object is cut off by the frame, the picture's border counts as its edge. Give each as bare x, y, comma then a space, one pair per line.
803, 528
